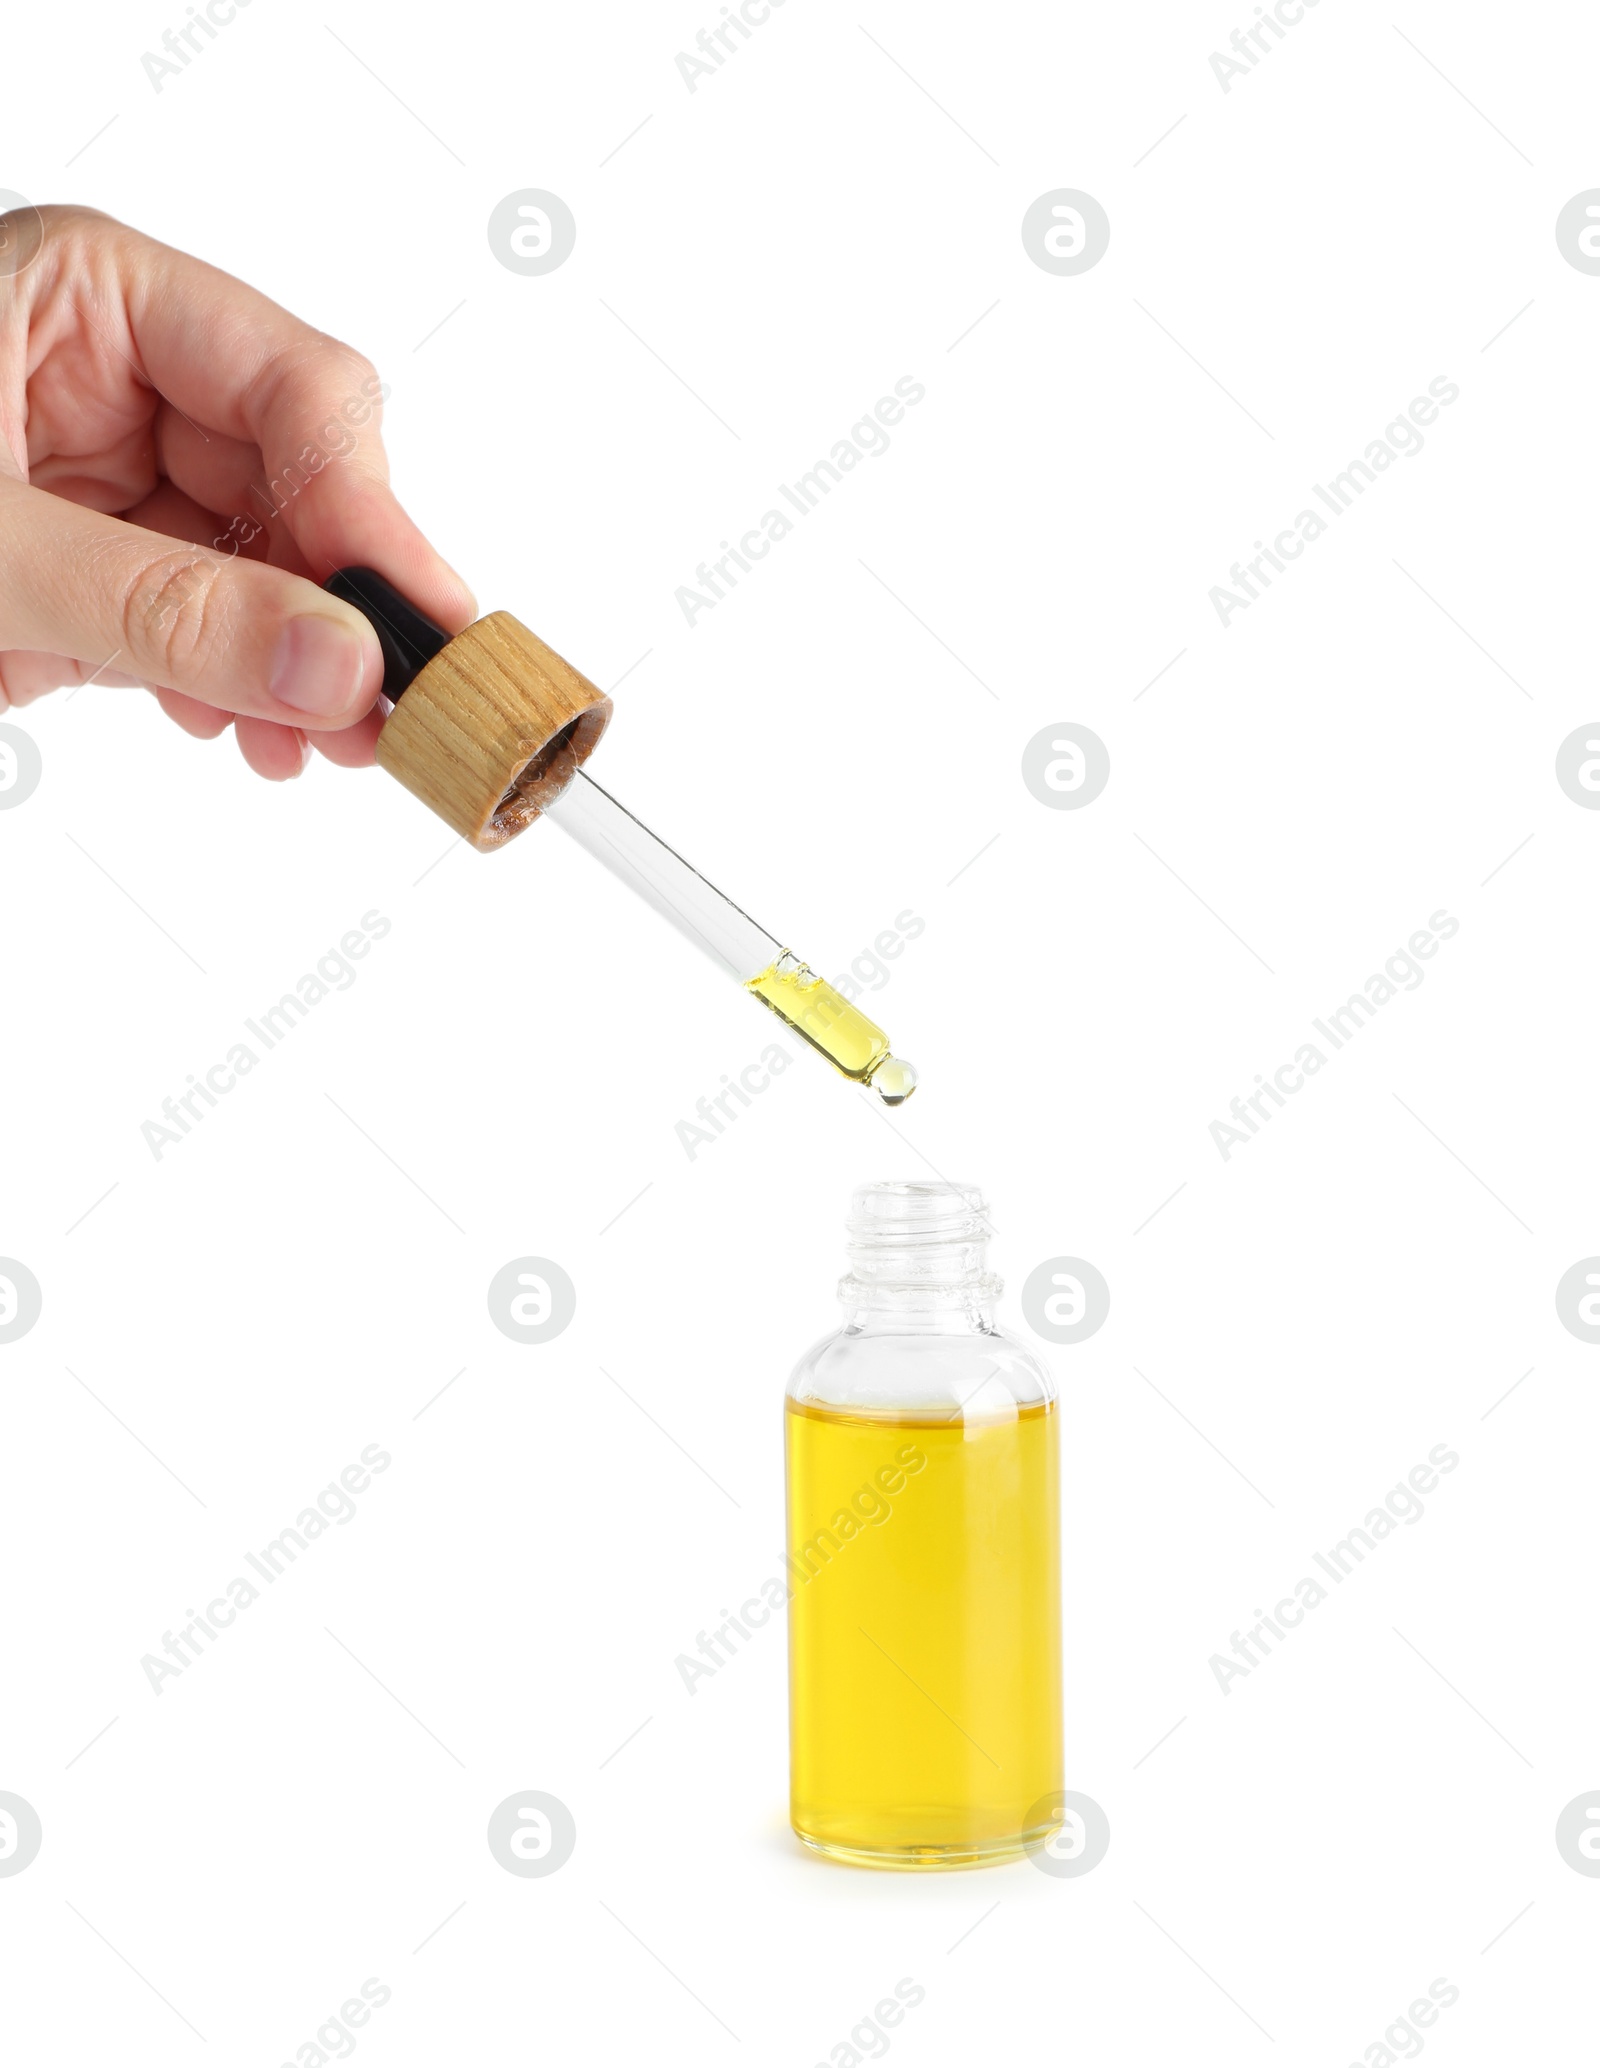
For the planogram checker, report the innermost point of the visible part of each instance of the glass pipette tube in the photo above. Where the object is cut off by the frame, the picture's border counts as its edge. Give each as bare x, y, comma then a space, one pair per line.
820, 1015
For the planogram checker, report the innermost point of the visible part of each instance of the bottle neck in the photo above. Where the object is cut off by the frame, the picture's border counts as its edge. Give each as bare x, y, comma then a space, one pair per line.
881, 1311
917, 1255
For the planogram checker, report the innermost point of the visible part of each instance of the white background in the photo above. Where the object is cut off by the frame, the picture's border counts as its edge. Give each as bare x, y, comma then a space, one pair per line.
1374, 1806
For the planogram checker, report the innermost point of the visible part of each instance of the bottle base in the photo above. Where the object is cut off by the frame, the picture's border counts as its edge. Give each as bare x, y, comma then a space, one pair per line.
925, 1859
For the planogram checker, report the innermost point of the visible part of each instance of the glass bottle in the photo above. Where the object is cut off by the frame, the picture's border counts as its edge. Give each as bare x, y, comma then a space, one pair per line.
923, 1552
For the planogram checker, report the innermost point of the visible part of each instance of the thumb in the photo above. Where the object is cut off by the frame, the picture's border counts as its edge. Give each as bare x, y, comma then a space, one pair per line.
234, 633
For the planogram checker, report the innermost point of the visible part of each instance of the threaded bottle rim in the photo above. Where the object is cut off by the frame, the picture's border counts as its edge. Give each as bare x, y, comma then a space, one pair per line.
916, 1236
915, 1211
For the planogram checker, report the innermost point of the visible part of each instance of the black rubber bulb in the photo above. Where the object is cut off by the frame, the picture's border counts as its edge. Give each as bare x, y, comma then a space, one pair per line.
409, 640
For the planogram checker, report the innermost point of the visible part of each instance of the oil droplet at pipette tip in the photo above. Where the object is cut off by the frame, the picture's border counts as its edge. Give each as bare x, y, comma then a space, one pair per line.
894, 1081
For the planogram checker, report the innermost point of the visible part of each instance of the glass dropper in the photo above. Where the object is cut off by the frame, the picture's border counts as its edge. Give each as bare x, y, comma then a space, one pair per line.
493, 704
819, 1014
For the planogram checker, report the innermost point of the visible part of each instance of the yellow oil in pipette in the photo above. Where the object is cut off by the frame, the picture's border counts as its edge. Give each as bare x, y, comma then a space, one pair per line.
856, 1046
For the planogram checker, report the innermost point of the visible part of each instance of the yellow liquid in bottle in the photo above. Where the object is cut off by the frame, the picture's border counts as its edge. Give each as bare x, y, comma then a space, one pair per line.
924, 1648
853, 1044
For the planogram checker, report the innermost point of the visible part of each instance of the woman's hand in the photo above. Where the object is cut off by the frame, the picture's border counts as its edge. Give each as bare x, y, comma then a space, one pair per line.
182, 463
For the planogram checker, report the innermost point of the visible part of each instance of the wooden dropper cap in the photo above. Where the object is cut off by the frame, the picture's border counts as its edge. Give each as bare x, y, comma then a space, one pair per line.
488, 727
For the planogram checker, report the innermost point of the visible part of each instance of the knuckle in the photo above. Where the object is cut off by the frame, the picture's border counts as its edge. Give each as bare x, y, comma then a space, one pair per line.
353, 364
318, 364
175, 614
77, 215
356, 386
363, 370
316, 398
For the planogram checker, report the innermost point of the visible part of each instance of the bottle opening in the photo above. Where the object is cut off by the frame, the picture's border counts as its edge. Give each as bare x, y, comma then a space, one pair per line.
917, 1236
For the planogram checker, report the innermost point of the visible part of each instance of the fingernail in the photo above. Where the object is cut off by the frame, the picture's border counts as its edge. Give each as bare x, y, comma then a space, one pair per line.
321, 666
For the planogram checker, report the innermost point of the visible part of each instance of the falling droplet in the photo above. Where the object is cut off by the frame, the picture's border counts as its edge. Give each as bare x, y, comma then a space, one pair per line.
893, 1081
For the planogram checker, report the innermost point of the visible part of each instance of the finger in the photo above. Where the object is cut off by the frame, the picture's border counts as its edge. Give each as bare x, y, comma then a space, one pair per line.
199, 721
277, 752
27, 676
237, 633
169, 510
356, 746
235, 362
223, 473
209, 465
104, 478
